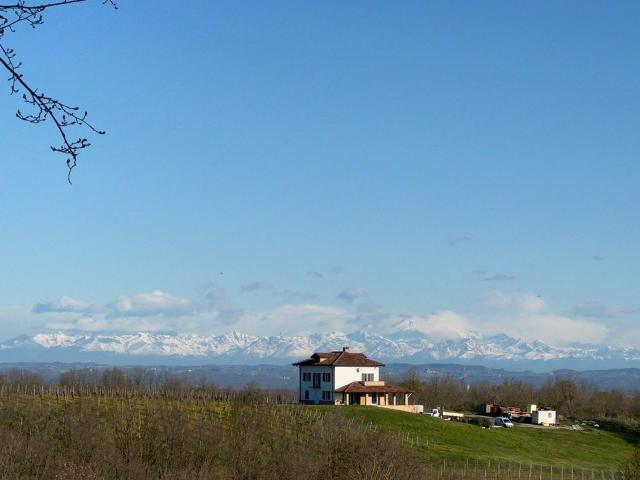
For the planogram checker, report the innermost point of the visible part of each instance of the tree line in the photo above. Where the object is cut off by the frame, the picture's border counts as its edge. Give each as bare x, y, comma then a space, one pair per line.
137, 382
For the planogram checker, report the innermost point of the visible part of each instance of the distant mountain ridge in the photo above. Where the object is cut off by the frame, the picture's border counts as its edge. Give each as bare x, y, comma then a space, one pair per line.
238, 348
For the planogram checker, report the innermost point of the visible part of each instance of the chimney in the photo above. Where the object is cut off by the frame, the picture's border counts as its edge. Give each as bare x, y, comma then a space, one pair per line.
345, 349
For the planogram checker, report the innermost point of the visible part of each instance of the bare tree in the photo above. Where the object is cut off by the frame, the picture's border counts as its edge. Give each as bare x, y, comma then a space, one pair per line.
42, 107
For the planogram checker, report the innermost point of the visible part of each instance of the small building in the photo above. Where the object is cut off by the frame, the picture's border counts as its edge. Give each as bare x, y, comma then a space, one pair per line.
347, 378
543, 416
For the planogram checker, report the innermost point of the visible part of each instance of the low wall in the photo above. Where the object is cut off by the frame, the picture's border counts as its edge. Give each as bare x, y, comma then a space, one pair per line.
405, 408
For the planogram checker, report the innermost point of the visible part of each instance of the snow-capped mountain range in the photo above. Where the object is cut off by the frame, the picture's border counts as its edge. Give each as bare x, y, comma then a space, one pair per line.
238, 348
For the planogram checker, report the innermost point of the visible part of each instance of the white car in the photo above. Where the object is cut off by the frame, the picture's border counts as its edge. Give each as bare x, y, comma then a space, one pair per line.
503, 422
433, 413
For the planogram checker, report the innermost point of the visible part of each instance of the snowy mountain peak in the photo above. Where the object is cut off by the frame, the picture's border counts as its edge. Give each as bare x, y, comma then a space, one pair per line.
408, 345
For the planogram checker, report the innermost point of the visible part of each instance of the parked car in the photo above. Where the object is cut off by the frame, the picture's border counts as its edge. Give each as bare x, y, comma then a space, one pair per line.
503, 422
434, 412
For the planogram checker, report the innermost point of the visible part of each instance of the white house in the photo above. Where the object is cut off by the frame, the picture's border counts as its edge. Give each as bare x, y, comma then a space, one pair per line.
344, 377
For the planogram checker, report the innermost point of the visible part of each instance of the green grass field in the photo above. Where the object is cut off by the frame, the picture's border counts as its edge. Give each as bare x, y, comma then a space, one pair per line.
439, 439
457, 445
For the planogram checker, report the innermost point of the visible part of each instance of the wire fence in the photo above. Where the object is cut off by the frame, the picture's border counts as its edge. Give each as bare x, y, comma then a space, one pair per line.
478, 470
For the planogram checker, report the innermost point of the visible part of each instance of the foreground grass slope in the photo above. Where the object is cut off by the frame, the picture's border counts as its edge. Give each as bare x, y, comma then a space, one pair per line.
178, 436
169, 437
438, 439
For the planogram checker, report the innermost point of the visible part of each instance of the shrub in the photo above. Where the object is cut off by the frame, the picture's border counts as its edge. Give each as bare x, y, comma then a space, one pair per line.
486, 422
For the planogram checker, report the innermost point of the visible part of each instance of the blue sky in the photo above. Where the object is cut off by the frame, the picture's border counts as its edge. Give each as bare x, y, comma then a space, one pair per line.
294, 166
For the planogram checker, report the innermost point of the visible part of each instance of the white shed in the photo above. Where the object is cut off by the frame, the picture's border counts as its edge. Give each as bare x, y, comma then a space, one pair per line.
543, 417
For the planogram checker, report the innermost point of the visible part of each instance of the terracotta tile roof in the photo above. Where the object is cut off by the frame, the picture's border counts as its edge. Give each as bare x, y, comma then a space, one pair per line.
360, 387
343, 358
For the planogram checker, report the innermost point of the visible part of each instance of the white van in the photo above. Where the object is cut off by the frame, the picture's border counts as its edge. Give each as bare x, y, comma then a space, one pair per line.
503, 422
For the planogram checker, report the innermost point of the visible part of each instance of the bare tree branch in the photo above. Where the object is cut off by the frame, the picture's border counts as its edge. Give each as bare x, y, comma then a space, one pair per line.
45, 107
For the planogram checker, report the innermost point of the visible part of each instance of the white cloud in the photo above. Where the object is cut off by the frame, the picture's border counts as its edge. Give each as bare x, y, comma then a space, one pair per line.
560, 330
595, 309
216, 309
443, 325
518, 302
86, 324
524, 315
297, 318
628, 336
527, 315
65, 305
151, 304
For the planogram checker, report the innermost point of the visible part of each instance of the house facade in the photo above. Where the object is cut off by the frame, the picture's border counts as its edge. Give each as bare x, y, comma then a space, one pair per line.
347, 378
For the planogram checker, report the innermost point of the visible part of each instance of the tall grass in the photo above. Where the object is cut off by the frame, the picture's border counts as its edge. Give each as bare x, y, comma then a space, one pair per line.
140, 437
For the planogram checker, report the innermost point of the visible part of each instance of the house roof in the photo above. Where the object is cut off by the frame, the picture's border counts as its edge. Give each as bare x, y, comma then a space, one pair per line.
342, 358
361, 387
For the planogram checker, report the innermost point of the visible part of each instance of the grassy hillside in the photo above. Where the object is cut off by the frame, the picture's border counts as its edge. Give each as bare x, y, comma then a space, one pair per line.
440, 439
142, 436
